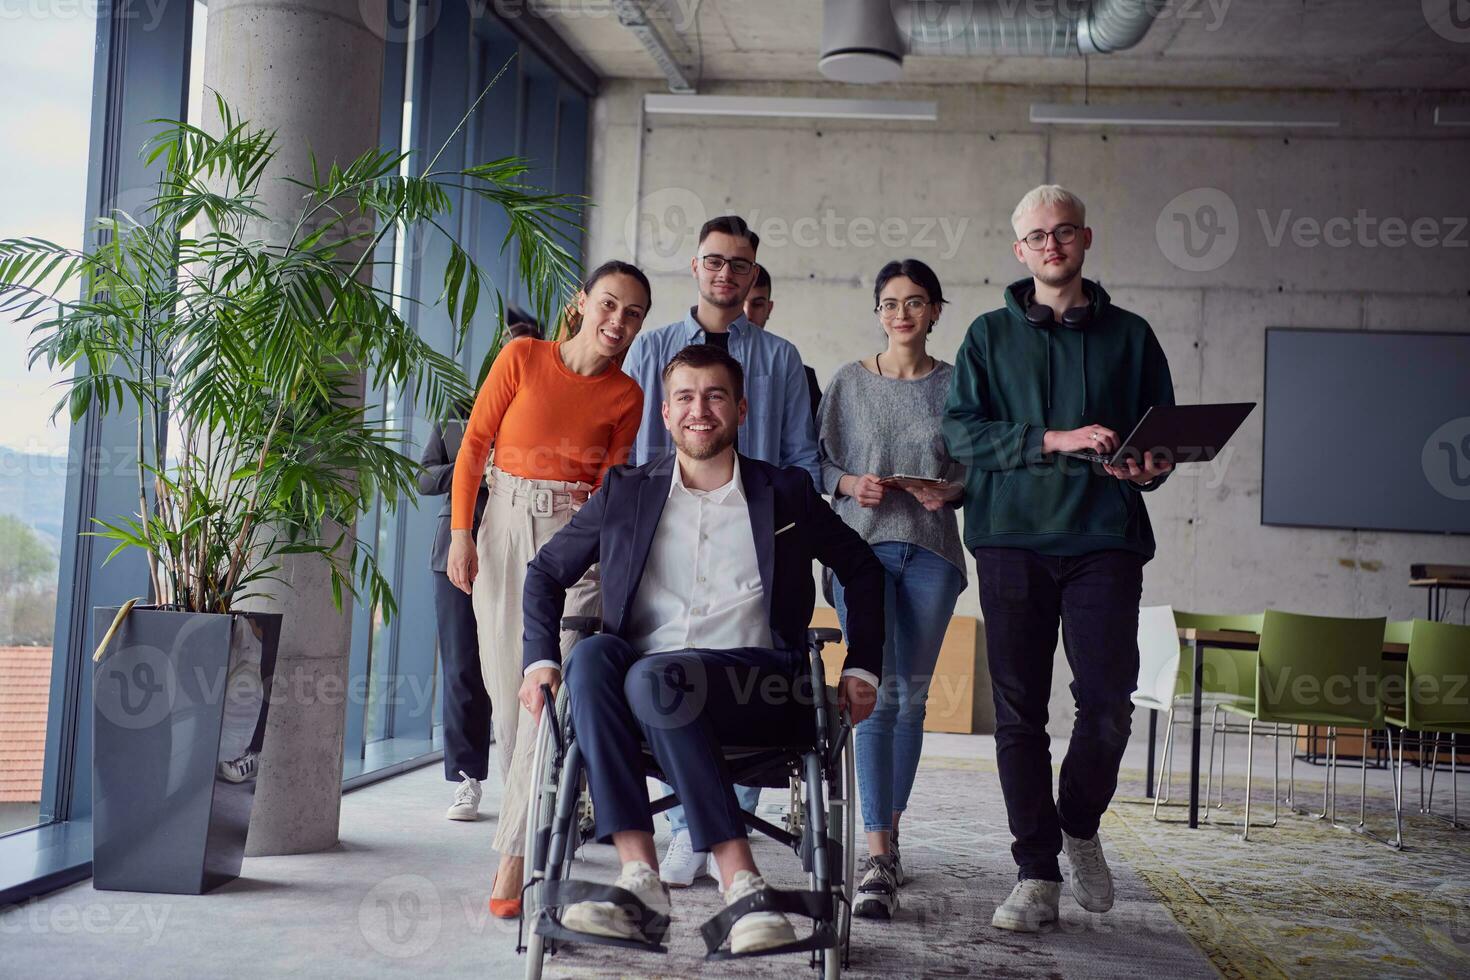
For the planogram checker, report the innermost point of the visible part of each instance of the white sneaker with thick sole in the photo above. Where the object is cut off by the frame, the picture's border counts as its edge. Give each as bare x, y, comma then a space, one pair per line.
755, 931
1032, 904
618, 921
681, 863
877, 894
1092, 881
466, 805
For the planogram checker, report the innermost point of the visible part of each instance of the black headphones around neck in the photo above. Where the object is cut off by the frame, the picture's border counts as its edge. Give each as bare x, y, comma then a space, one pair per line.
1044, 317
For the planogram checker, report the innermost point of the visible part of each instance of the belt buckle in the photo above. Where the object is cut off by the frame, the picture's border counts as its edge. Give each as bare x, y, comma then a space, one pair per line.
542, 502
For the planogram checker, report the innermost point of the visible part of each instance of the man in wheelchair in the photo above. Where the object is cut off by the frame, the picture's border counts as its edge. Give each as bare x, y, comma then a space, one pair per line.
707, 593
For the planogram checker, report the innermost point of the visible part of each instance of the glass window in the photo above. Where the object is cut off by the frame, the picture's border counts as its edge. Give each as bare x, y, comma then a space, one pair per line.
46, 75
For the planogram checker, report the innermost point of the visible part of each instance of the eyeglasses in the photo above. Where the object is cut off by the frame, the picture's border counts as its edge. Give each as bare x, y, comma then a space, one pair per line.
911, 305
714, 263
1064, 234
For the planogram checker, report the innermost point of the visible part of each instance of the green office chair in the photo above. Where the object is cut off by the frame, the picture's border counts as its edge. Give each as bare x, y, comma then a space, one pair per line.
1436, 699
1313, 670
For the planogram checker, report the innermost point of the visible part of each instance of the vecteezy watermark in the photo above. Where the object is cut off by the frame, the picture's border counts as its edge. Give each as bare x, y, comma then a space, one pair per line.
96, 918
149, 13
836, 231
136, 686
1363, 230
1446, 459
1199, 230
401, 916
663, 230
1450, 19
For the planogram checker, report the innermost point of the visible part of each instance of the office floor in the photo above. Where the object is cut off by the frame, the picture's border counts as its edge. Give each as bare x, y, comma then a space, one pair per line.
404, 895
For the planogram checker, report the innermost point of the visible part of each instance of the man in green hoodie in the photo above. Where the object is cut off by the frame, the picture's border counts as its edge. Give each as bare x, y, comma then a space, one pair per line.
1057, 540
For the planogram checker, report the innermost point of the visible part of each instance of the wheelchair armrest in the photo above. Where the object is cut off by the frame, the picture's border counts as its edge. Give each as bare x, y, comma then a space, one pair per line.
582, 624
820, 636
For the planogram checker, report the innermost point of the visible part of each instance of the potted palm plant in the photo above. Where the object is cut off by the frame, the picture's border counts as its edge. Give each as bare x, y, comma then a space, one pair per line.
243, 361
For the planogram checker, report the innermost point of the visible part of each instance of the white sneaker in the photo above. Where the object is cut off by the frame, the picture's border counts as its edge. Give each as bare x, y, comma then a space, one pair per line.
619, 921
1031, 905
755, 931
466, 805
1092, 881
681, 863
712, 868
877, 894
241, 769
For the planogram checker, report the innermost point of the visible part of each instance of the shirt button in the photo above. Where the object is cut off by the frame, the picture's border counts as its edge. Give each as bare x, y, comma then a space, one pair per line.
697, 610
701, 580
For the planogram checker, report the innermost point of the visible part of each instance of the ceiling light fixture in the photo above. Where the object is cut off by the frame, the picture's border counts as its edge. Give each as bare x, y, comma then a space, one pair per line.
785, 108
1063, 114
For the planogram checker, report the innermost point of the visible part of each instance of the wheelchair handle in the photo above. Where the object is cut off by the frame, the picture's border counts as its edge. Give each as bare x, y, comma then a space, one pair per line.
548, 710
587, 625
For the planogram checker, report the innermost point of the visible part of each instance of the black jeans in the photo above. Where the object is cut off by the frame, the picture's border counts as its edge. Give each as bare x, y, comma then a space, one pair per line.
465, 703
1023, 596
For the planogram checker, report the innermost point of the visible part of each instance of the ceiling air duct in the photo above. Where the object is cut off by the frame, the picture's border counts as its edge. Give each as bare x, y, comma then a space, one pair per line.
866, 40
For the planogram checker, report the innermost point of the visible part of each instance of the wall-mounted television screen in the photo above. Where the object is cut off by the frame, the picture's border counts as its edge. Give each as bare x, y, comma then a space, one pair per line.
1367, 430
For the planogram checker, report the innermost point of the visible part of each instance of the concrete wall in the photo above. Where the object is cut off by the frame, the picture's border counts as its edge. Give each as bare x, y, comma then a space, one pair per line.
834, 200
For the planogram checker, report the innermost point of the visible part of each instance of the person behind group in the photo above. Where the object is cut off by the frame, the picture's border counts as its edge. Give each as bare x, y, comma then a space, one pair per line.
713, 601
1057, 369
758, 309
559, 414
778, 428
881, 417
466, 703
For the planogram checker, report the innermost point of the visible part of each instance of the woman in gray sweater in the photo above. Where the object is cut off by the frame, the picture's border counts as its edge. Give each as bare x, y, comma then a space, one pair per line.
880, 418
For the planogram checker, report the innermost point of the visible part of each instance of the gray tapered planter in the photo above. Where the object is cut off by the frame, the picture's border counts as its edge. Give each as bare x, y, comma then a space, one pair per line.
179, 712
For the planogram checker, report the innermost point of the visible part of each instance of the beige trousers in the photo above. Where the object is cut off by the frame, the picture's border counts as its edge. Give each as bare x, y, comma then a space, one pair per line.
520, 517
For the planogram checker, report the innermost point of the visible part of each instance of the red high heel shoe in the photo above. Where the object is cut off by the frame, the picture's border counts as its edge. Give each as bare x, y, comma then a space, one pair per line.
504, 908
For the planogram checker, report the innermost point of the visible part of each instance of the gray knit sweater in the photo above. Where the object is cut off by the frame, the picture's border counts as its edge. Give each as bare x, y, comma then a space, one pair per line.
886, 426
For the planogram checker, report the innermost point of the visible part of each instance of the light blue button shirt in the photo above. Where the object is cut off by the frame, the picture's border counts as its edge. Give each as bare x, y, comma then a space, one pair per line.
778, 426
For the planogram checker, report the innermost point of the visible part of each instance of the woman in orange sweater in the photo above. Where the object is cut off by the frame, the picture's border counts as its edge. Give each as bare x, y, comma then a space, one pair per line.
559, 414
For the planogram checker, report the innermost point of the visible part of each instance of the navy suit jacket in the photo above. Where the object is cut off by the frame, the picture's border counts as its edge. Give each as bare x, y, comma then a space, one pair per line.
616, 527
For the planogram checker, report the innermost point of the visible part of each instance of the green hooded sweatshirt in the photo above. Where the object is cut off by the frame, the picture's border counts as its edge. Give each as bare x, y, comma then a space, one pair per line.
1012, 382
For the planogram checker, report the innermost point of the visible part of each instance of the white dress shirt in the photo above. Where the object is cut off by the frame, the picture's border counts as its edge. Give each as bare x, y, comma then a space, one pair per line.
701, 586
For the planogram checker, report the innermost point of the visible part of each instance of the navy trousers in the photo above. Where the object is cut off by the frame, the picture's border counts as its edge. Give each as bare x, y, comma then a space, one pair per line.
685, 705
466, 705
1024, 595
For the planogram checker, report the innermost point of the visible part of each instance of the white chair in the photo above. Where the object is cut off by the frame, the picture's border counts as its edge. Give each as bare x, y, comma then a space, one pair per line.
1158, 680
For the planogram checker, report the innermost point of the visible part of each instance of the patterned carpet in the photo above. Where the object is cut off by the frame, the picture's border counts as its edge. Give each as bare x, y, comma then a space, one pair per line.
1305, 898
1301, 899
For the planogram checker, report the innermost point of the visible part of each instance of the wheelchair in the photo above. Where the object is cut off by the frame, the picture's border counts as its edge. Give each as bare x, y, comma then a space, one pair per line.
821, 775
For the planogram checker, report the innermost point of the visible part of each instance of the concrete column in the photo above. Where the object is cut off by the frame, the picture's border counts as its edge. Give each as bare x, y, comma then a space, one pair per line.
312, 71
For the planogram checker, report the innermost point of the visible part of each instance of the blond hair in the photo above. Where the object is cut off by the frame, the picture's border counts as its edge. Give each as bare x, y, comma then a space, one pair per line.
1043, 196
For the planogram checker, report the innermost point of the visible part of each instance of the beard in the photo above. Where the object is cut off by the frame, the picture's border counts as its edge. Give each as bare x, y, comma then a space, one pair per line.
1057, 276
736, 299
722, 440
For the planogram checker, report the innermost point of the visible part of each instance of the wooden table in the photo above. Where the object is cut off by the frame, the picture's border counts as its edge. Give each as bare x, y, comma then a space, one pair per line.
1434, 601
1228, 640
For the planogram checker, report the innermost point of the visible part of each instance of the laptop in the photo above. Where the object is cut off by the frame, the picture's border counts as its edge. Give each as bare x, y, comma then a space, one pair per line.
1179, 433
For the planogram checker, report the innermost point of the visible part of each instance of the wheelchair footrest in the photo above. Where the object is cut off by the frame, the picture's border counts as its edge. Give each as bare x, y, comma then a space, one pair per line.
556, 895
817, 906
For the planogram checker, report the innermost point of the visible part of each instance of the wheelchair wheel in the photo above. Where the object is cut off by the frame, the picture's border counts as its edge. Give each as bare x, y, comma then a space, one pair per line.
540, 812
842, 821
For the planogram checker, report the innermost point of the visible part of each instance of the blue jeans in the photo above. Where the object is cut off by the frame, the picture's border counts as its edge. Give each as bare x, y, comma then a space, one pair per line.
920, 595
747, 796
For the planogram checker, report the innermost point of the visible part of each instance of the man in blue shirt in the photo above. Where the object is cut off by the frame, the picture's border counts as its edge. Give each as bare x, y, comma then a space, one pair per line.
778, 426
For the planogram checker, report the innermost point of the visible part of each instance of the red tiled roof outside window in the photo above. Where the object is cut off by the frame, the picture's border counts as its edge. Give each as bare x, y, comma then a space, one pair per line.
25, 688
